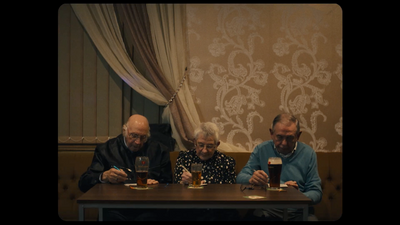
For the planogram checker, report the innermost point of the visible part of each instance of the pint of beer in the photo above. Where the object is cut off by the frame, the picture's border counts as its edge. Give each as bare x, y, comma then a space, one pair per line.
196, 169
274, 170
142, 169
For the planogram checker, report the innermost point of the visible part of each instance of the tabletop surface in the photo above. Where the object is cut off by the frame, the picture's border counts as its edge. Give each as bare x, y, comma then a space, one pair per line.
179, 193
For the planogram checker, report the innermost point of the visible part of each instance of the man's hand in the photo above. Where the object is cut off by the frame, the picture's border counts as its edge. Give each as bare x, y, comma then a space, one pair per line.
114, 176
151, 181
259, 178
293, 184
186, 177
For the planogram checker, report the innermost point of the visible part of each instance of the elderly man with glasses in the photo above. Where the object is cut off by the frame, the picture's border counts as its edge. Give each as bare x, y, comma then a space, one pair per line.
299, 166
121, 152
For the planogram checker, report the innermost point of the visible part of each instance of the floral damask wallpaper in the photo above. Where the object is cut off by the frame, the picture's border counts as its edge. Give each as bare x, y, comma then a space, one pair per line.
249, 63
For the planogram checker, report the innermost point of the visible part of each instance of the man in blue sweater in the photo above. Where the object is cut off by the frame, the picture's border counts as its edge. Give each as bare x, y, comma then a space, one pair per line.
299, 166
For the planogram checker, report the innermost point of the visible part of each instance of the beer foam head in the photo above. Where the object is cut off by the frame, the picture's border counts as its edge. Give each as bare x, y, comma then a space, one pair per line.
274, 160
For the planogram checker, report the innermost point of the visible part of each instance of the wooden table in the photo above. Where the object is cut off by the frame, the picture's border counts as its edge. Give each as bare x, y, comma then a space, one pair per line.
180, 196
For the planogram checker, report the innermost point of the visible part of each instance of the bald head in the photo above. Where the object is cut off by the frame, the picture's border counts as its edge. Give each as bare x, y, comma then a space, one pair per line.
138, 120
137, 126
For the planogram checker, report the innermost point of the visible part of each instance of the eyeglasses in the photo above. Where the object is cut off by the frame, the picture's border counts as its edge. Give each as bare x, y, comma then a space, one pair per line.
288, 138
248, 187
251, 187
208, 147
136, 136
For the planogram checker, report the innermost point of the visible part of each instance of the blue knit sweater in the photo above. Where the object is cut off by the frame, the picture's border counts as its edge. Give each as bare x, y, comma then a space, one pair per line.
300, 167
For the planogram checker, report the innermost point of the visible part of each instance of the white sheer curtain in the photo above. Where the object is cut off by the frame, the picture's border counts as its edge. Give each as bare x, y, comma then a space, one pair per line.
167, 23
100, 22
167, 30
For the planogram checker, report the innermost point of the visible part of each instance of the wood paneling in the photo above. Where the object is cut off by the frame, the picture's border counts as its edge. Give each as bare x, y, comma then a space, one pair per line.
64, 15
89, 90
76, 78
115, 103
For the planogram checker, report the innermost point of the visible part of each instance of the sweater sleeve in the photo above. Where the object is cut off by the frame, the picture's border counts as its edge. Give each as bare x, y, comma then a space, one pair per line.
253, 164
312, 187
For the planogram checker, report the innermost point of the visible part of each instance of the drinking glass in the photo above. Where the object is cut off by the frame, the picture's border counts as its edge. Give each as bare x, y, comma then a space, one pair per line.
196, 174
274, 170
142, 169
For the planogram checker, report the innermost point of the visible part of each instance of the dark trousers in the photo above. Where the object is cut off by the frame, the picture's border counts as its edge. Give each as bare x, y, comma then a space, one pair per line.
203, 215
134, 214
170, 215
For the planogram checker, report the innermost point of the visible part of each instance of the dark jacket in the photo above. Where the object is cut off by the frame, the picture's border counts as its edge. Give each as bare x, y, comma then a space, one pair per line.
114, 152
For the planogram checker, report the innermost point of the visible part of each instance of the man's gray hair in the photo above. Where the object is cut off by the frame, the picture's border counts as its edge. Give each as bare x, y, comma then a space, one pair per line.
285, 117
207, 129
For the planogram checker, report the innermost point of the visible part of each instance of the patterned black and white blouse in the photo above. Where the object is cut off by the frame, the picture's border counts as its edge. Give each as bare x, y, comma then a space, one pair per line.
219, 169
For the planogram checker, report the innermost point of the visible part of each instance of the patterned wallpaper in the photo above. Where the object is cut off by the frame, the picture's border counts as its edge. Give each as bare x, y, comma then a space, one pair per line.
249, 63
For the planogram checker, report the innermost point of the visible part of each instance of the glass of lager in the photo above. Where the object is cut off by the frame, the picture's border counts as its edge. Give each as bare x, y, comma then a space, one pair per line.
196, 174
142, 168
274, 170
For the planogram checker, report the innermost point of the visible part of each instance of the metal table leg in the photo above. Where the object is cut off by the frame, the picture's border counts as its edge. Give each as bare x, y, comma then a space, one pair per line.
81, 213
100, 213
305, 213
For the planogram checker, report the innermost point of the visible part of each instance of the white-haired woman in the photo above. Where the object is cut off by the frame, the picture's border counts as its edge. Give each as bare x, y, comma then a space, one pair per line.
218, 168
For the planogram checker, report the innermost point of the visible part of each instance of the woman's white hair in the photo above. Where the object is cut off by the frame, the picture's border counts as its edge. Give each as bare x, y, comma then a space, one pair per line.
207, 129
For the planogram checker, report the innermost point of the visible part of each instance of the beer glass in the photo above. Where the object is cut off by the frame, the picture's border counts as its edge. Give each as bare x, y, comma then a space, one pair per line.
142, 168
196, 174
274, 170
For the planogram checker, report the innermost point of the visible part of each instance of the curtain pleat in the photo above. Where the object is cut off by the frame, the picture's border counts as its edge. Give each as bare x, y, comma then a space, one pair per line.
139, 26
100, 22
161, 42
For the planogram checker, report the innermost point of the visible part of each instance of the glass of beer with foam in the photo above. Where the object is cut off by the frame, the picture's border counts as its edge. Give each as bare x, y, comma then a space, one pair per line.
274, 170
196, 174
142, 168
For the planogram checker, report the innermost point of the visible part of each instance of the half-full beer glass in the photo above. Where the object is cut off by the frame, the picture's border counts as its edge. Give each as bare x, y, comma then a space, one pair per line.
274, 170
196, 174
142, 168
